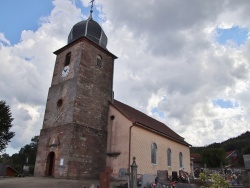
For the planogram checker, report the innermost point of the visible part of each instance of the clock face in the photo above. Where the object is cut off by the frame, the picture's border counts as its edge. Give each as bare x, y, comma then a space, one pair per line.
65, 71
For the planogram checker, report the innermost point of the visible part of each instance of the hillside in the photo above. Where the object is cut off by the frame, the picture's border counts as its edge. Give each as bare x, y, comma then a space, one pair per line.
240, 143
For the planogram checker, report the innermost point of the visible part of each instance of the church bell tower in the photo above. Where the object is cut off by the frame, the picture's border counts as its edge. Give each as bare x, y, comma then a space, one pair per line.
73, 138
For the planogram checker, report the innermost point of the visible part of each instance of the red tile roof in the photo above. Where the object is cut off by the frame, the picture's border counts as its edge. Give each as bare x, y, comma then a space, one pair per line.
148, 122
229, 153
196, 157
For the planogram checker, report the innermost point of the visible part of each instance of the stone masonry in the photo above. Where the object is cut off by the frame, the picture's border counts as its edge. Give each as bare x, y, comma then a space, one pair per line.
76, 115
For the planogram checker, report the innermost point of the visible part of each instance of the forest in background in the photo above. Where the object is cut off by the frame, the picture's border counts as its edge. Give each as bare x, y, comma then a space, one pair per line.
25, 156
240, 143
215, 154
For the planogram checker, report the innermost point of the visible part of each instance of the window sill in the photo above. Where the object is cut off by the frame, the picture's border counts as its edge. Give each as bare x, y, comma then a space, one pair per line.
113, 154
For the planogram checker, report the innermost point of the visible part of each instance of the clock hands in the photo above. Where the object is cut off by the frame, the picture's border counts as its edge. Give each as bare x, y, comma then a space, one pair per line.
65, 71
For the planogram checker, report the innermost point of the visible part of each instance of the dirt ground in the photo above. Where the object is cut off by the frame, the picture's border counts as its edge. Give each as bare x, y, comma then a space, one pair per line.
43, 182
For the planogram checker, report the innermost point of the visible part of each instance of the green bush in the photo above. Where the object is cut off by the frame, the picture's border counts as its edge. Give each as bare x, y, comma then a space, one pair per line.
219, 182
216, 179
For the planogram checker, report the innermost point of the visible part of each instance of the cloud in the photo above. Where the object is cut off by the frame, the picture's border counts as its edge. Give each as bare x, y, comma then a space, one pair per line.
169, 49
169, 60
27, 68
3, 40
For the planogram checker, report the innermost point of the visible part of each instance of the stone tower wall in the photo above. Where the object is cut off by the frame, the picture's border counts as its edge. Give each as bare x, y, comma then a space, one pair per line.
79, 124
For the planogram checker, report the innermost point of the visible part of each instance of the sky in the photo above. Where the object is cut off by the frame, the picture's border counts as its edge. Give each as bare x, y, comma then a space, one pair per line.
185, 63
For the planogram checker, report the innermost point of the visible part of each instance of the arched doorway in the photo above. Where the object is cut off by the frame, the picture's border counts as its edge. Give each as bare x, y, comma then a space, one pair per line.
50, 164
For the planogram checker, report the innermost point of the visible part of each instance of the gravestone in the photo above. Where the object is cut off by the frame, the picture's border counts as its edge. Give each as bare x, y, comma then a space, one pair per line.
183, 176
247, 172
174, 176
133, 176
146, 179
123, 172
162, 176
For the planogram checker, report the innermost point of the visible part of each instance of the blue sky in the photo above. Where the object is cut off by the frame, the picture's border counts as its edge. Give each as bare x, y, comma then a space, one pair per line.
225, 103
155, 110
16, 16
19, 15
234, 34
176, 61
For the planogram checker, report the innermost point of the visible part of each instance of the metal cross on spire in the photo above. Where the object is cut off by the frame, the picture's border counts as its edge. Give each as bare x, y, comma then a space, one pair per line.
92, 3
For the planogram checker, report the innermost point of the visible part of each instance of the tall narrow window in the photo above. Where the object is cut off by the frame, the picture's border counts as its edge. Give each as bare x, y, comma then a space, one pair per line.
98, 61
181, 159
67, 59
169, 155
153, 153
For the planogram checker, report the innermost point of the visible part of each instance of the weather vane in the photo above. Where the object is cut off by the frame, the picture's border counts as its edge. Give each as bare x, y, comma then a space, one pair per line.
92, 2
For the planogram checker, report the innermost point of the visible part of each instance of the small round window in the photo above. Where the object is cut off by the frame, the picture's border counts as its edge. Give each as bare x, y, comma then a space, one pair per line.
98, 61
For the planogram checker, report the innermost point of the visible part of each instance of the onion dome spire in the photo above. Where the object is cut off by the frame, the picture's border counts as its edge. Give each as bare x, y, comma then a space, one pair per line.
90, 29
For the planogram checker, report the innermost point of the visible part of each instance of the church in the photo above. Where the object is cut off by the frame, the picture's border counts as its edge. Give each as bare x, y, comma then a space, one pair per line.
86, 130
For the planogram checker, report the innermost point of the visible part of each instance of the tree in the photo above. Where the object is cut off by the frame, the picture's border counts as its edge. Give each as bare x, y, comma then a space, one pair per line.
246, 150
26, 152
5, 158
29, 150
213, 157
5, 125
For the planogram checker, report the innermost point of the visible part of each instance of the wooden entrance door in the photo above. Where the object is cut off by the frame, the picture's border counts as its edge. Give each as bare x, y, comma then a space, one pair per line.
50, 164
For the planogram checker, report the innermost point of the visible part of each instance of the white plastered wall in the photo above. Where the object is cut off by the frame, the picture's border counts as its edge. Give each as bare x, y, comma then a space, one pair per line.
118, 141
141, 140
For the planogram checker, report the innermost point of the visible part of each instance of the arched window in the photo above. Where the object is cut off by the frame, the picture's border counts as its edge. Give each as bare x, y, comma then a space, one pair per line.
67, 59
169, 155
181, 159
153, 153
98, 61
